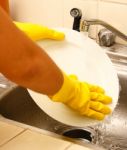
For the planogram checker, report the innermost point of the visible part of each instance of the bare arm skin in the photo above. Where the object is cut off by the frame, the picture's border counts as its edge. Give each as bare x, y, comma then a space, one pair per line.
5, 5
25, 63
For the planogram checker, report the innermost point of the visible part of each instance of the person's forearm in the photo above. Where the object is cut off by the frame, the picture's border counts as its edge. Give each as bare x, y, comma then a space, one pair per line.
5, 5
25, 63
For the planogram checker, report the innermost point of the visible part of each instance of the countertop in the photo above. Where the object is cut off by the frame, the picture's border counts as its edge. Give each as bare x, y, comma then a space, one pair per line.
15, 136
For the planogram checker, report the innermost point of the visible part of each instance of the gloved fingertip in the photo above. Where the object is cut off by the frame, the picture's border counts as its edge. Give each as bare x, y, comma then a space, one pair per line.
101, 117
94, 114
95, 88
108, 99
93, 95
107, 111
73, 76
101, 98
58, 36
100, 107
98, 117
101, 90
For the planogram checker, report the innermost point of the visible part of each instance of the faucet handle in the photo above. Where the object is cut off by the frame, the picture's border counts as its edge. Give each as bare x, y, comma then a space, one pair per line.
106, 37
77, 14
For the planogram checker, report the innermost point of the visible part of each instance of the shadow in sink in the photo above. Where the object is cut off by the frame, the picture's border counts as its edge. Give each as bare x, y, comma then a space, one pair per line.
112, 134
19, 106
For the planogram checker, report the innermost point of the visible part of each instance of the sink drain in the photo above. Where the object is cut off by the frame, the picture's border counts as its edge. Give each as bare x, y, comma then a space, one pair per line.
80, 134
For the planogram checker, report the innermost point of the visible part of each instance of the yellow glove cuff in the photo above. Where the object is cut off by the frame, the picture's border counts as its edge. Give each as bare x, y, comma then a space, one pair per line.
66, 92
38, 32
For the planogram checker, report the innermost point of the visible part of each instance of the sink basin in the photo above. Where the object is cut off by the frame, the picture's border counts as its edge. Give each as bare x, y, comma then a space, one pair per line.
17, 105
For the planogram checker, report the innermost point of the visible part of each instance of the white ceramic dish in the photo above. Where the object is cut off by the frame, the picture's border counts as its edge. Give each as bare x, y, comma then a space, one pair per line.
79, 55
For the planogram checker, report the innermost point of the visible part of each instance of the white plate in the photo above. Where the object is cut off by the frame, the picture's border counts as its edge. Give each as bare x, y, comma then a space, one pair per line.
79, 55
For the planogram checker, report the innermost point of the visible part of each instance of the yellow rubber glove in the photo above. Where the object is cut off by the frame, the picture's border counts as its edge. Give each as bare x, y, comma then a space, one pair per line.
38, 32
86, 99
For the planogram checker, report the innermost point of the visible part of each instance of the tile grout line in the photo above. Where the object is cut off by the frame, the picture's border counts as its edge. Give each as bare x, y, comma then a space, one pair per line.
67, 148
121, 3
98, 17
13, 137
63, 3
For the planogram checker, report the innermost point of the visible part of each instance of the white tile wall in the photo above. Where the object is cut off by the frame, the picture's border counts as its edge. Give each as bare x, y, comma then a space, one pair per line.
46, 12
116, 1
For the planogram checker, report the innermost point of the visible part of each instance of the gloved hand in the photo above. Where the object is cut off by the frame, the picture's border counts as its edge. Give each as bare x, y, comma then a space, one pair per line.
86, 99
38, 32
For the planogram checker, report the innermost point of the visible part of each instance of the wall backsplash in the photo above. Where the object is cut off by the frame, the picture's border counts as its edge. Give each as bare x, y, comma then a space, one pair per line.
56, 13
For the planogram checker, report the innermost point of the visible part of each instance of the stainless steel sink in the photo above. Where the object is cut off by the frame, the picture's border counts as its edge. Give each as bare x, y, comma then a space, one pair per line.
17, 104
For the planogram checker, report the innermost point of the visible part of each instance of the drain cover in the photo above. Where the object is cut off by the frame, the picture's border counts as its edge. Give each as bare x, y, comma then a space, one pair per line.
79, 134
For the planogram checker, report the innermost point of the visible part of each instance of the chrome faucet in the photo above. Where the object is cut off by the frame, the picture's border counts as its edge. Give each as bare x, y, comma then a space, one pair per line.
106, 37
85, 24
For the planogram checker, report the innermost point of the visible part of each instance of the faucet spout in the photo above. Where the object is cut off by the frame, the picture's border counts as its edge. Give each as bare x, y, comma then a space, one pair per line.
85, 24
